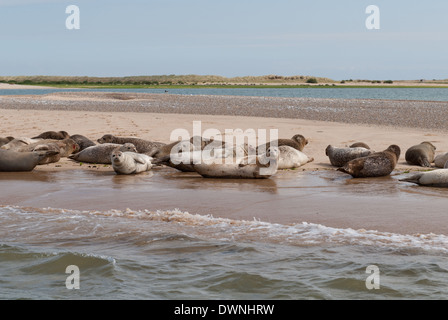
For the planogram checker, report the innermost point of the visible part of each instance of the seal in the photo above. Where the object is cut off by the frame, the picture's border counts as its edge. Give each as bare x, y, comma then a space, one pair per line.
377, 164
66, 146
5, 140
143, 146
12, 161
440, 160
49, 147
130, 162
100, 154
297, 142
17, 143
340, 156
435, 178
421, 154
291, 158
82, 141
263, 167
53, 135
359, 145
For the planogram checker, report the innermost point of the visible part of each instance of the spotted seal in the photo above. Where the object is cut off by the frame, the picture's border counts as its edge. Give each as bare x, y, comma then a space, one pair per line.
340, 156
377, 164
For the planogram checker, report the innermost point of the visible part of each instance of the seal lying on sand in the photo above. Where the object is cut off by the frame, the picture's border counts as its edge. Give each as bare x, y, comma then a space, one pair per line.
143, 146
12, 161
292, 158
359, 145
377, 164
435, 178
66, 146
17, 143
82, 141
130, 162
53, 135
440, 160
297, 142
340, 156
421, 154
5, 140
100, 154
265, 166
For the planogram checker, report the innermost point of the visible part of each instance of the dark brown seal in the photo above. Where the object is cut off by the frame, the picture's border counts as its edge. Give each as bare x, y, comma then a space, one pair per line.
377, 164
297, 142
143, 146
421, 154
359, 145
54, 135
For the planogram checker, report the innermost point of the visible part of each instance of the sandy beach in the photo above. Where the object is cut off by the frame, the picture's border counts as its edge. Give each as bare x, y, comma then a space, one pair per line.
315, 193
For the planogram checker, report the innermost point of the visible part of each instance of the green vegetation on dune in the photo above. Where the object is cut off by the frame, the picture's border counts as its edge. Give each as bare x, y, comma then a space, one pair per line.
210, 81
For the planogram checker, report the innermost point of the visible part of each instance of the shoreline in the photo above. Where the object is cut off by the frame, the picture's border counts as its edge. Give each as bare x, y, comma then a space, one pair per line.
313, 193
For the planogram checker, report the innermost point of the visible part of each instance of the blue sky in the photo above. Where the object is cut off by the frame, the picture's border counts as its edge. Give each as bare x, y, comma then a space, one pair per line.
324, 38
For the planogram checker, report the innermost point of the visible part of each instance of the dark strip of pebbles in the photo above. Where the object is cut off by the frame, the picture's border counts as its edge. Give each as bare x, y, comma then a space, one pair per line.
397, 113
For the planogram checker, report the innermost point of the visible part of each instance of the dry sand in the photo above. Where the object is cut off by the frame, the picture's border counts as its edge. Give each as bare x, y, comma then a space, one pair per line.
318, 195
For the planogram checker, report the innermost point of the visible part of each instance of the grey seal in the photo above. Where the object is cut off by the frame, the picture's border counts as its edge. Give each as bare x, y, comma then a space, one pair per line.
100, 154
12, 161
291, 158
264, 166
435, 178
130, 162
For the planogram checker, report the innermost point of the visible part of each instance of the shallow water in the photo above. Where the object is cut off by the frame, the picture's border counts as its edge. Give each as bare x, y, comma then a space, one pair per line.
170, 235
426, 94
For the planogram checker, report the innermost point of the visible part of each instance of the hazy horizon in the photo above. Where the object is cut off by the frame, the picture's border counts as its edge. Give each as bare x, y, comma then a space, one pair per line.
229, 39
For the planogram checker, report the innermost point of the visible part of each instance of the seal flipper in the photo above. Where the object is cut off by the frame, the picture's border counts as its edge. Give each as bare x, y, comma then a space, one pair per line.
413, 179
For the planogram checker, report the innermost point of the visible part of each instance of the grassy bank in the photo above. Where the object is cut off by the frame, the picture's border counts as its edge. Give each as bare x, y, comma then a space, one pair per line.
195, 81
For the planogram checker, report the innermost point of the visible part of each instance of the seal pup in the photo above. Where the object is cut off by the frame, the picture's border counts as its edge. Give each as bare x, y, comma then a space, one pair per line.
265, 166
130, 162
82, 141
143, 146
440, 160
53, 135
5, 140
292, 158
340, 156
435, 178
100, 154
13, 161
377, 164
421, 154
359, 145
297, 142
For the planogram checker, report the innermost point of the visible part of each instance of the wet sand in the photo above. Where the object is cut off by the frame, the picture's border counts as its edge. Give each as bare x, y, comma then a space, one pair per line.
314, 193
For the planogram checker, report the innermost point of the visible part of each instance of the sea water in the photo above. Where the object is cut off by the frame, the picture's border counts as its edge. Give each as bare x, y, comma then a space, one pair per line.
150, 253
427, 94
